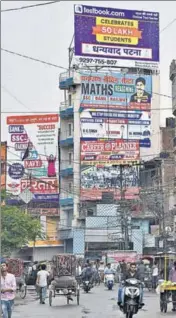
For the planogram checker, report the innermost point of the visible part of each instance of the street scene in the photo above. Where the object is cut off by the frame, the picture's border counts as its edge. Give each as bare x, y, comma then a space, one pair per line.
88, 159
99, 303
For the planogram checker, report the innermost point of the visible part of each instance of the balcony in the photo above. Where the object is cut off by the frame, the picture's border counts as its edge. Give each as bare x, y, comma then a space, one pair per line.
66, 111
68, 79
66, 199
65, 231
66, 169
66, 138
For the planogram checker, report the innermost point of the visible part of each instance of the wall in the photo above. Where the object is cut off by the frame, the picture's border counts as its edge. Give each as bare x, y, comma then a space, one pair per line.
76, 163
143, 224
46, 253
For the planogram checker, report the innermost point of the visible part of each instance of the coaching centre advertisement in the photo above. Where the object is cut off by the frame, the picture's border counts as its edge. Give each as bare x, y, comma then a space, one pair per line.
110, 36
110, 90
115, 124
100, 170
95, 180
114, 105
32, 156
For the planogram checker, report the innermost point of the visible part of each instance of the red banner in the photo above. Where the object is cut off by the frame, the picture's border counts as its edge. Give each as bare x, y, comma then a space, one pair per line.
109, 152
96, 194
46, 185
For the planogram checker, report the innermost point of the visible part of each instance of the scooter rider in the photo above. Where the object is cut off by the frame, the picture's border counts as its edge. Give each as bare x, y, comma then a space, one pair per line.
131, 273
108, 270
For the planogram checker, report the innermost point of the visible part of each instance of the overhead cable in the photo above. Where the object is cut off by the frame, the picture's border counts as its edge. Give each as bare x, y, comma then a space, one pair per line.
33, 59
30, 6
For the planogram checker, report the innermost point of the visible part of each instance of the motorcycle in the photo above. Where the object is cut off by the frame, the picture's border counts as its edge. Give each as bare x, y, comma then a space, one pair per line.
148, 282
131, 297
87, 286
109, 281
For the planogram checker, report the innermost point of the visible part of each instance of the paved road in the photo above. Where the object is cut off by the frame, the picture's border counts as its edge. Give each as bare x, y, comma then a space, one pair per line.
99, 303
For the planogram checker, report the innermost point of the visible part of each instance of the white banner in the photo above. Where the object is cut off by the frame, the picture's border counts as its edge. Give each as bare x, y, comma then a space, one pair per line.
115, 124
32, 157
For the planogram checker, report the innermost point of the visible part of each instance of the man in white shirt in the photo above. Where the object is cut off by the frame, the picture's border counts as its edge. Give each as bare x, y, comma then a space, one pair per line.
8, 289
42, 282
155, 273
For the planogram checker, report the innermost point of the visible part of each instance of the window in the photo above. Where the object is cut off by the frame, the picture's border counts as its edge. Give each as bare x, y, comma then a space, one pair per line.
70, 129
70, 154
69, 100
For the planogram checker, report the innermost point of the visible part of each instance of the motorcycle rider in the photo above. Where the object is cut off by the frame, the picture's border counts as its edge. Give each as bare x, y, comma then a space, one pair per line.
87, 272
131, 273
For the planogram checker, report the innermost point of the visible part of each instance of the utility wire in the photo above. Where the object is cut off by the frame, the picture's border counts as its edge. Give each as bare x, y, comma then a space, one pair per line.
14, 97
168, 25
30, 6
33, 59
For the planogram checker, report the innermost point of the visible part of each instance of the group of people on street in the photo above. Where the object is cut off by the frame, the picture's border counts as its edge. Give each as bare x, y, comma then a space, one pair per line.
89, 271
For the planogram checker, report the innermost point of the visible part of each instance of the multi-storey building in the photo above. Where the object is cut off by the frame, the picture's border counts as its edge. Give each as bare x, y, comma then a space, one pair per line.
82, 222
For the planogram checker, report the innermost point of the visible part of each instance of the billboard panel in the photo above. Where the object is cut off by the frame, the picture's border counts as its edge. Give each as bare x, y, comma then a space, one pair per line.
112, 152
96, 180
3, 164
115, 124
109, 36
116, 91
33, 155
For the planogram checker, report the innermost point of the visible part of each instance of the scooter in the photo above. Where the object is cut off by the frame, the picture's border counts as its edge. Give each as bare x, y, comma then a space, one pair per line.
131, 302
109, 281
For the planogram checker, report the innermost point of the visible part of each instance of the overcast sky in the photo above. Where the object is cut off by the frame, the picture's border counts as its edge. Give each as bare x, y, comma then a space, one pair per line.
45, 32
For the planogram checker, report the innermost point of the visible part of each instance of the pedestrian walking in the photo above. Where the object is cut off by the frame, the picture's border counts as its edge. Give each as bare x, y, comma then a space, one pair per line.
42, 282
8, 289
141, 270
155, 272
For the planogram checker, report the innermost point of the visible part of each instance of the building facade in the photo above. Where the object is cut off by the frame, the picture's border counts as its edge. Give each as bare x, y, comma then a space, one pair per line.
87, 224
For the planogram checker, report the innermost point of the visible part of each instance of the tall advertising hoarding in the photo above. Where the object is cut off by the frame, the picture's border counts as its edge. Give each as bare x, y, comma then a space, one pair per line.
115, 121
116, 37
33, 157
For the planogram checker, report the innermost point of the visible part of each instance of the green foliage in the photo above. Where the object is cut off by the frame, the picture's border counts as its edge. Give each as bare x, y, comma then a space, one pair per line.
17, 229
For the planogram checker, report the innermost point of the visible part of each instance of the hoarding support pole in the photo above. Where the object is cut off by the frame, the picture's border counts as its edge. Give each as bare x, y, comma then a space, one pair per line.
123, 213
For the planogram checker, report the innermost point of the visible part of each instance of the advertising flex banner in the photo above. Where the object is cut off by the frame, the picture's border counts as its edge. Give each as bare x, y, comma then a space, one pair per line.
99, 179
114, 105
32, 157
110, 90
112, 124
116, 37
111, 152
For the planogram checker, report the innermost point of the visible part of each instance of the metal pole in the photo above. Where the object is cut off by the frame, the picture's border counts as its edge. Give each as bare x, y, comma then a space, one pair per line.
123, 211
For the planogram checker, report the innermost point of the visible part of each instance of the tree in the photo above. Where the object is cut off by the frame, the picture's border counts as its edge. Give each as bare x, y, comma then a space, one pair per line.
18, 228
